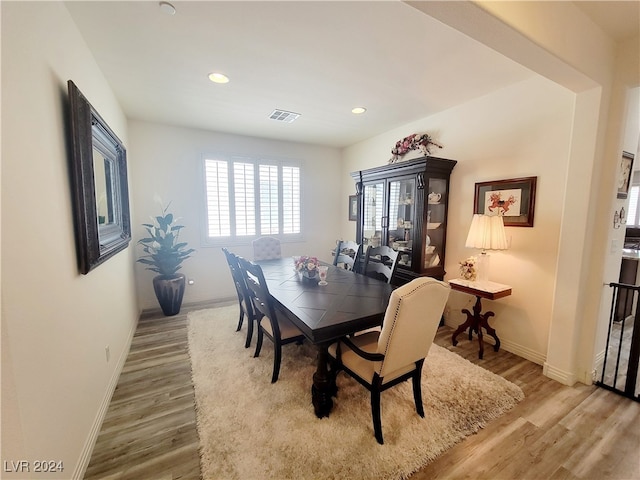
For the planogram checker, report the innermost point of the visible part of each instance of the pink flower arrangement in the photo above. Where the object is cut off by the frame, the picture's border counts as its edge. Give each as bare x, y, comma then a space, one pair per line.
421, 141
306, 264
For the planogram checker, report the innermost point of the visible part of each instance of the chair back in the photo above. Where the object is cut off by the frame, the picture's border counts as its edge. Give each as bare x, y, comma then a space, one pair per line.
410, 323
259, 292
380, 262
266, 248
238, 278
348, 253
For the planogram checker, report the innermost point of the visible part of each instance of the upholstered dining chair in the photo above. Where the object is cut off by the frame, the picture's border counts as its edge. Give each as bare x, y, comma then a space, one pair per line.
380, 262
348, 254
266, 248
381, 360
278, 329
244, 299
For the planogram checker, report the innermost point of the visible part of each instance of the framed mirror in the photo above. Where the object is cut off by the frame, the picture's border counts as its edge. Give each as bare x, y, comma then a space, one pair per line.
100, 191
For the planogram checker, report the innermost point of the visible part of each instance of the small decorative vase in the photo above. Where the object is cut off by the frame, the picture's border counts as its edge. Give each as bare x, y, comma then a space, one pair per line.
310, 277
169, 292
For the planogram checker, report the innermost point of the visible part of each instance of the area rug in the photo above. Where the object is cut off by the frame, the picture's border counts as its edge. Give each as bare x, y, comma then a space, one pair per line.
251, 429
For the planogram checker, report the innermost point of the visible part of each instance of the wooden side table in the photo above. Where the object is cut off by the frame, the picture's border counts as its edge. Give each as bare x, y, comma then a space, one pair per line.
478, 321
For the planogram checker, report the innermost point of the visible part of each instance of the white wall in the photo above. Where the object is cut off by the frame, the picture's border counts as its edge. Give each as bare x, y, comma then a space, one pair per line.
56, 323
624, 136
520, 131
558, 41
169, 166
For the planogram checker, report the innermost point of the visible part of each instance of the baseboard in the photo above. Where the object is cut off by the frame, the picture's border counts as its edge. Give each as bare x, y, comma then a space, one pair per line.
562, 376
512, 347
597, 367
521, 351
87, 450
187, 307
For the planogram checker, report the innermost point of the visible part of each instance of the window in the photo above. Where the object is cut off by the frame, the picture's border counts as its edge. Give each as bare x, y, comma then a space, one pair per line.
248, 198
634, 201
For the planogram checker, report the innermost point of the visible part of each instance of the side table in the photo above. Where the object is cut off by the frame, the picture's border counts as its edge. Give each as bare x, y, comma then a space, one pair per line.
478, 321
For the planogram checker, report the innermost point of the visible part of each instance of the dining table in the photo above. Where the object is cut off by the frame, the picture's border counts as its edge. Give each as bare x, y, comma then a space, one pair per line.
348, 303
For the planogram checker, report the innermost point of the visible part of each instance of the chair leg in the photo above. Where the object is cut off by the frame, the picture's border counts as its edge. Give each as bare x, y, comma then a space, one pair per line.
417, 393
247, 342
375, 411
259, 342
277, 356
241, 319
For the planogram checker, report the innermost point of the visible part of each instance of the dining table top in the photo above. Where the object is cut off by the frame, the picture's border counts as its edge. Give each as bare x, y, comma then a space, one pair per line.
350, 302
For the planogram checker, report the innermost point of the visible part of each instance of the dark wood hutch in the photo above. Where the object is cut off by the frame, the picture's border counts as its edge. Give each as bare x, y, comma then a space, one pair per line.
405, 205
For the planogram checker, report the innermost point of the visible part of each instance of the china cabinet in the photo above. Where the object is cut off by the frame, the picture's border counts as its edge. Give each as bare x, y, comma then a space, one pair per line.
404, 205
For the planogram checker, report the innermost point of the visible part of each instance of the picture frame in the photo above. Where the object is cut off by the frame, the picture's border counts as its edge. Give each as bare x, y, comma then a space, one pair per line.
353, 208
513, 198
626, 170
99, 185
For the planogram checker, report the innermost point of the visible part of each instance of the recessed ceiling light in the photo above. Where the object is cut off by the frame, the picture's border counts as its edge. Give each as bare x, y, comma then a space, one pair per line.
166, 7
218, 78
358, 110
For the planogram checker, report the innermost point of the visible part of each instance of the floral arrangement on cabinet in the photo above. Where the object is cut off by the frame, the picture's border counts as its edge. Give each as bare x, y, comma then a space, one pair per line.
468, 269
416, 141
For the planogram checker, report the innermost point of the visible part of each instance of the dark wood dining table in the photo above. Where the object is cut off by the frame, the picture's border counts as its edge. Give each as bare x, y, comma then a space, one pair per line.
350, 302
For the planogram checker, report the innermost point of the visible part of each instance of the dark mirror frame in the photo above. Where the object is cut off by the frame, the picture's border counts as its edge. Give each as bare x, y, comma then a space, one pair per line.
96, 242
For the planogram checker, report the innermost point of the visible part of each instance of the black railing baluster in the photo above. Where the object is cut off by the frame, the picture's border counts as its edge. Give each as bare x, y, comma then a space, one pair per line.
624, 296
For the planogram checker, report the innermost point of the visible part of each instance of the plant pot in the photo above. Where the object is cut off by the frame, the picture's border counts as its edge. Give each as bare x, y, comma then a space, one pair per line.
169, 292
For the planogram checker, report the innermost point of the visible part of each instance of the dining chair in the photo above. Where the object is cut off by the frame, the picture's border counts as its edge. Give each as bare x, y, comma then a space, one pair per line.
277, 328
244, 299
348, 253
266, 248
380, 262
381, 360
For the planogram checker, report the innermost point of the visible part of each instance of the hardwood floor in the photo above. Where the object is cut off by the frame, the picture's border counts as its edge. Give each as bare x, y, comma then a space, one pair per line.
556, 432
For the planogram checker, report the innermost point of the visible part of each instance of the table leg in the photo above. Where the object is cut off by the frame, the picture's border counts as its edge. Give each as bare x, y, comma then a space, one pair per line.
469, 323
322, 390
477, 321
491, 331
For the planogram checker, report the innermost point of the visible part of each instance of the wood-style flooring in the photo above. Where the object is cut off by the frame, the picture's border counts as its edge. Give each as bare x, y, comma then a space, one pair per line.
556, 432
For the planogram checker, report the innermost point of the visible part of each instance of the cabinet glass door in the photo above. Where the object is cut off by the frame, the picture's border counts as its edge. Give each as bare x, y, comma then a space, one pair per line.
434, 234
402, 218
373, 204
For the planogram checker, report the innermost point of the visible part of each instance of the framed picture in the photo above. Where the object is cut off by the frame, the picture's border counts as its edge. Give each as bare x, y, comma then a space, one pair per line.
353, 208
514, 199
626, 169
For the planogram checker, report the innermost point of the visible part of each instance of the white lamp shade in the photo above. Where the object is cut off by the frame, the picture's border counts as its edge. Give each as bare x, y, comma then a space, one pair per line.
487, 233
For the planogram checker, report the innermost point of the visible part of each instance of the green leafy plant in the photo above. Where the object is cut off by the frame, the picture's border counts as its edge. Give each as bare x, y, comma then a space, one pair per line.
164, 252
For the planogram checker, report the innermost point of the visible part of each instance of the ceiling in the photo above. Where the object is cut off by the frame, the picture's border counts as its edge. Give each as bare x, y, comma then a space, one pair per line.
319, 59
618, 19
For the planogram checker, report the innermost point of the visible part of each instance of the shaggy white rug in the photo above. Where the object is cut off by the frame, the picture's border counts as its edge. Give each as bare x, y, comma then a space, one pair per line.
252, 429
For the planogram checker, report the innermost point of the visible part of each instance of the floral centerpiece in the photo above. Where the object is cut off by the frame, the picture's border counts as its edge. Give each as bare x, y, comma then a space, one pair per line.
468, 269
307, 266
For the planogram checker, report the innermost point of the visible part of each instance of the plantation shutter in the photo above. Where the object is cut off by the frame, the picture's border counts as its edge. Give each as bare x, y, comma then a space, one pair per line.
290, 200
244, 198
269, 199
218, 202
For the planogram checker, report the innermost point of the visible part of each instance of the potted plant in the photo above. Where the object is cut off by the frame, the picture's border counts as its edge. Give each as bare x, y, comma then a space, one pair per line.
164, 255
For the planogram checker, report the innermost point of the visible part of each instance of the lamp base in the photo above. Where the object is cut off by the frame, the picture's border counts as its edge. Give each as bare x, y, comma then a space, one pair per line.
484, 263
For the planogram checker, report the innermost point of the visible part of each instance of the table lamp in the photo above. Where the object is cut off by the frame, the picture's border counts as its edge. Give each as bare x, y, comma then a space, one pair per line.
487, 233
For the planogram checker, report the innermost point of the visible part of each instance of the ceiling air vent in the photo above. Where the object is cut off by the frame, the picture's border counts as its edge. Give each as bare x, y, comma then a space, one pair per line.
283, 116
